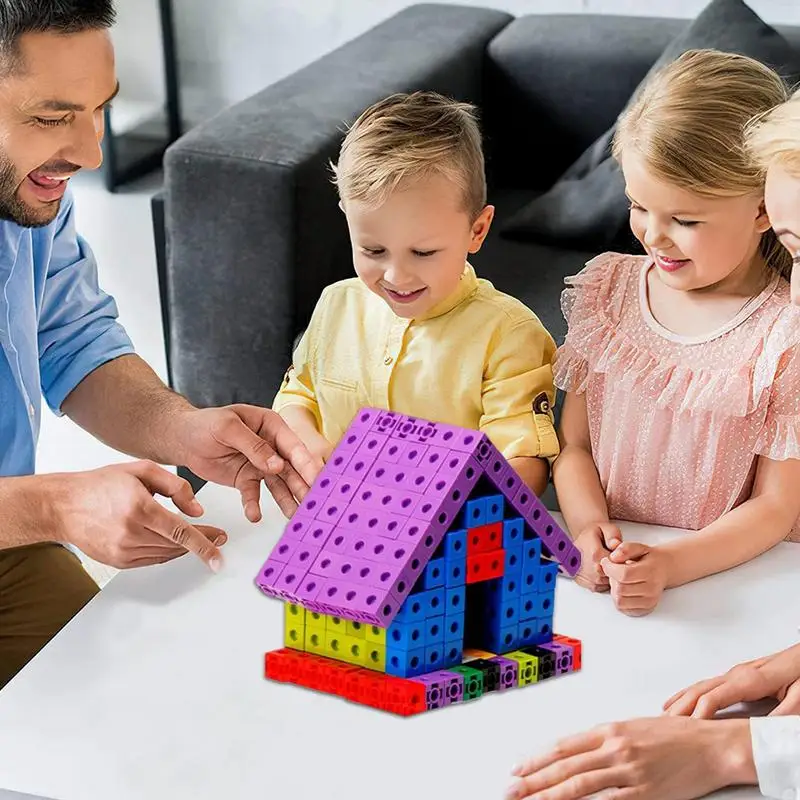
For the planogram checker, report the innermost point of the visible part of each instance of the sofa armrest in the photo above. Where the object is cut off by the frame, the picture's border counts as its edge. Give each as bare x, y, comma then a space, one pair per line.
253, 223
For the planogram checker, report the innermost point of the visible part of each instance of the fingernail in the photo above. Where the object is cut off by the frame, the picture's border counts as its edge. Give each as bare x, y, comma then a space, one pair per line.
215, 564
197, 507
275, 463
220, 540
516, 769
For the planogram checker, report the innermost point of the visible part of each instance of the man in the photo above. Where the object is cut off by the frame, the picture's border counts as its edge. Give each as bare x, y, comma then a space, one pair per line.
677, 758
59, 337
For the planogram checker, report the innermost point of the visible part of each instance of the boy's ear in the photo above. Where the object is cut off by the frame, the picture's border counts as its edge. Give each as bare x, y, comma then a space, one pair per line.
762, 220
480, 228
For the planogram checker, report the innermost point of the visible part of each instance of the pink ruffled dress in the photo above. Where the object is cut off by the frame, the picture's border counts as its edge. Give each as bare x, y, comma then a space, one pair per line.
677, 422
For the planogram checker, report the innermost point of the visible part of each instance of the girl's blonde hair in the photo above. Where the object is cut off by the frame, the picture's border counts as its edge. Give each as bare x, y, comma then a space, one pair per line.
688, 122
774, 137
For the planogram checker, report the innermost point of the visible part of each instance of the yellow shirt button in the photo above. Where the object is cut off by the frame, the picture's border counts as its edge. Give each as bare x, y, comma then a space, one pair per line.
388, 360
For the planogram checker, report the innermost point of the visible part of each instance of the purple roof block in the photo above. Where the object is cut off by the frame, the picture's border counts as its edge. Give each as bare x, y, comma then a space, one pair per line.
362, 537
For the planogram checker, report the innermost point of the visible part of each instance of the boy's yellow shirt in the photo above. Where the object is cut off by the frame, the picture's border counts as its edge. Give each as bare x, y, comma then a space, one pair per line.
480, 359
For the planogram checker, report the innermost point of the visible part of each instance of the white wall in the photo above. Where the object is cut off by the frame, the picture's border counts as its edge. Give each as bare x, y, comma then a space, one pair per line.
229, 50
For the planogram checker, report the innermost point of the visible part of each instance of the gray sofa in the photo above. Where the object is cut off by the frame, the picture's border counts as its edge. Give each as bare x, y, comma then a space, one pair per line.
248, 227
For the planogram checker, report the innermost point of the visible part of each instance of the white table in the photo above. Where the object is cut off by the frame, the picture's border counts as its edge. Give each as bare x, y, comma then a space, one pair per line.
156, 691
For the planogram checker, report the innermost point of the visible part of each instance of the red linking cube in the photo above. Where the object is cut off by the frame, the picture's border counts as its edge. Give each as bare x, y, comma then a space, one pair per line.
485, 566
484, 539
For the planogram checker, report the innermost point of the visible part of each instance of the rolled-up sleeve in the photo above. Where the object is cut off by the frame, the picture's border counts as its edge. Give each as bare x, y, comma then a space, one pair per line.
78, 328
776, 754
518, 392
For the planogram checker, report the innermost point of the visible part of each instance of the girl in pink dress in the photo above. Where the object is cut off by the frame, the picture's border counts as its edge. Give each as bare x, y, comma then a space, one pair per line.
682, 366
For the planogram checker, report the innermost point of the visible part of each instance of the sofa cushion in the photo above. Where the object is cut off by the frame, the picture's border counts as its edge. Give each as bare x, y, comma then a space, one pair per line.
587, 205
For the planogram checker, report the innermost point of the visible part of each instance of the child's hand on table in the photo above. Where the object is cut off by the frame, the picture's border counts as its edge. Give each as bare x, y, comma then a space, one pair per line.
595, 542
637, 575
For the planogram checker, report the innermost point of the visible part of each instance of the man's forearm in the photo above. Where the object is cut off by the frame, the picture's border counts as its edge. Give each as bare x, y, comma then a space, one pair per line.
580, 494
26, 514
127, 406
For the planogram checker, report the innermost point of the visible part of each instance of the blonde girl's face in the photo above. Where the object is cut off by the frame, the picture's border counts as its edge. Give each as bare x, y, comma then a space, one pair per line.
782, 198
696, 243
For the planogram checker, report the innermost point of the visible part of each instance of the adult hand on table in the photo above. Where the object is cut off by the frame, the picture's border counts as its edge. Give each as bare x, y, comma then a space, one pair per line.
243, 445
665, 758
776, 676
112, 515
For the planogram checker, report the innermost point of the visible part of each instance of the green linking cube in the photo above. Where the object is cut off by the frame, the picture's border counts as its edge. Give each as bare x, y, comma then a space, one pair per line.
473, 681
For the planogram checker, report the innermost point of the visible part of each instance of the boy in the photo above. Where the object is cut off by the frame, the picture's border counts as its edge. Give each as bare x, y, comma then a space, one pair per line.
417, 332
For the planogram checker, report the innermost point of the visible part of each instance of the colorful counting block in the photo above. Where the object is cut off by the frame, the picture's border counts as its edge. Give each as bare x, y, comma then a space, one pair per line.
513, 533
531, 578
434, 685
454, 627
336, 624
509, 673
473, 682
294, 636
549, 575
535, 631
531, 552
435, 631
375, 657
563, 661
406, 635
475, 513
434, 657
513, 562
412, 610
433, 602
454, 599
434, 575
503, 639
575, 645
294, 614
453, 686
356, 629
455, 572
547, 661
484, 539
455, 545
405, 663
495, 508
485, 566
453, 653
528, 666
372, 633
315, 641
491, 673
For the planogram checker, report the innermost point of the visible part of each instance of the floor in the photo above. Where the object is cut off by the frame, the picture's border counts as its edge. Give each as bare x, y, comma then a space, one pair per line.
118, 228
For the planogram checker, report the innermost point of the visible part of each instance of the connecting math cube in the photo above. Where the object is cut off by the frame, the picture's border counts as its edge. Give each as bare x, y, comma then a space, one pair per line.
419, 572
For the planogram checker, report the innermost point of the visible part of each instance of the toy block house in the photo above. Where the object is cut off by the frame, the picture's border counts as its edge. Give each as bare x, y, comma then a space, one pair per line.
418, 572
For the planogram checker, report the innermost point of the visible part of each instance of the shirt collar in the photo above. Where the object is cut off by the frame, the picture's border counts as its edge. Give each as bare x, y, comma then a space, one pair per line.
467, 286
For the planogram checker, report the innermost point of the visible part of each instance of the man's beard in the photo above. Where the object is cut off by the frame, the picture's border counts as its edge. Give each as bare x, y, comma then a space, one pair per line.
12, 209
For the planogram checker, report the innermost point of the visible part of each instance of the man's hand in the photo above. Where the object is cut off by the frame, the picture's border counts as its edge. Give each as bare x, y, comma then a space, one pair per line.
111, 515
638, 575
242, 445
595, 542
654, 759
776, 676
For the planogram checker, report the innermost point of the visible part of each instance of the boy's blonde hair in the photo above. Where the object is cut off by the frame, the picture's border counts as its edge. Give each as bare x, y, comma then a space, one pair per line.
688, 122
409, 137
774, 137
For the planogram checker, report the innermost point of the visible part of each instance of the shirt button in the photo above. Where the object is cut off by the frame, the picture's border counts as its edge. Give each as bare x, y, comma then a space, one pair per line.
31, 410
388, 360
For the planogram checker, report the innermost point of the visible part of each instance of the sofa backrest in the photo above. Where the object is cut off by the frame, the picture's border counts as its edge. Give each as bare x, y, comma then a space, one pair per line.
554, 83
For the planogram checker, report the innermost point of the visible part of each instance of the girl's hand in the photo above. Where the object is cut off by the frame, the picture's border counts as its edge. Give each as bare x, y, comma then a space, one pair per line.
595, 542
638, 576
316, 444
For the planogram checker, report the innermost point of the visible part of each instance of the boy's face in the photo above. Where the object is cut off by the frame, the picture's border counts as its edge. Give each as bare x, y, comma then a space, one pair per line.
411, 250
